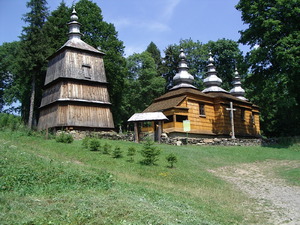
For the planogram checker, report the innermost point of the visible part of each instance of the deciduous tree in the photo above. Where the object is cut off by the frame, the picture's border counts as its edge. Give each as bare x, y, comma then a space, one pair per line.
274, 35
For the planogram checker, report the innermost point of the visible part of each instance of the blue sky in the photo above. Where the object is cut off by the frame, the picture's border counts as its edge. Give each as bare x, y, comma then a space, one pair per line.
139, 22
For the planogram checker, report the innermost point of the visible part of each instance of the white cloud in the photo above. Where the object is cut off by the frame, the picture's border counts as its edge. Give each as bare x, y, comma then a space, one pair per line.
169, 9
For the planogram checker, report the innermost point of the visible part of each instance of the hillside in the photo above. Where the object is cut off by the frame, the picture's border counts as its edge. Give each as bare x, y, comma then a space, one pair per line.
45, 182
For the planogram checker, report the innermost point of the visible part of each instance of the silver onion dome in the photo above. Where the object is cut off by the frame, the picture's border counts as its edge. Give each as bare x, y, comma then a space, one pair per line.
212, 81
183, 78
237, 89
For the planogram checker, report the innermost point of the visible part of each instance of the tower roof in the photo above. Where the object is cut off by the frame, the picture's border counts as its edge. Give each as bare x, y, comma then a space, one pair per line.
212, 81
237, 90
75, 36
183, 78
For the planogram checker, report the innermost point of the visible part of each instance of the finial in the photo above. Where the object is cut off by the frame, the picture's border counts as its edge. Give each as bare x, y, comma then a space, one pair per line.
212, 81
74, 26
74, 16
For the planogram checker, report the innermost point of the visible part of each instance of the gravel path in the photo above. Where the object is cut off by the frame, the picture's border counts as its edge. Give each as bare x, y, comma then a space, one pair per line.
276, 200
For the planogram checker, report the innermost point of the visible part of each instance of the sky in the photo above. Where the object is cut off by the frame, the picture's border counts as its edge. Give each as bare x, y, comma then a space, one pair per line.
138, 22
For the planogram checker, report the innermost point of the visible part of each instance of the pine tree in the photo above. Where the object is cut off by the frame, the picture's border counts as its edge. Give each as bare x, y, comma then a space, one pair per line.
32, 60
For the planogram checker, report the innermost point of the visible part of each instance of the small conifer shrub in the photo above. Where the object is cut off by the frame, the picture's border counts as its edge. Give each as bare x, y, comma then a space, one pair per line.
117, 153
106, 149
131, 153
171, 158
94, 144
64, 138
150, 153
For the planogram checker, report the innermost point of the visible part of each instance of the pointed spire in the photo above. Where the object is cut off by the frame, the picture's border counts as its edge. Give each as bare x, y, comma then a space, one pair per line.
183, 78
237, 90
212, 81
74, 26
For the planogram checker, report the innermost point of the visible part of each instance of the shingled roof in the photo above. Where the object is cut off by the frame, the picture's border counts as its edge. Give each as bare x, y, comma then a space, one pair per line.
173, 98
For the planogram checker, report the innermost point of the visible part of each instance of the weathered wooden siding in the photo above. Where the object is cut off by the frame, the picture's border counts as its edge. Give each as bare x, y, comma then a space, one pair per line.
75, 90
77, 65
68, 115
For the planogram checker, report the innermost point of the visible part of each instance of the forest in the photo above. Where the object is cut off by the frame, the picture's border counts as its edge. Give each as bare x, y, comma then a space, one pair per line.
269, 71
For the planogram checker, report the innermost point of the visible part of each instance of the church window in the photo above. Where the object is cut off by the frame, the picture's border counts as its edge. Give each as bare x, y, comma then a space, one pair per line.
180, 118
201, 109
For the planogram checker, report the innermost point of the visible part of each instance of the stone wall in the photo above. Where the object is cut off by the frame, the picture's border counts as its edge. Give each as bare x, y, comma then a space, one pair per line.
168, 140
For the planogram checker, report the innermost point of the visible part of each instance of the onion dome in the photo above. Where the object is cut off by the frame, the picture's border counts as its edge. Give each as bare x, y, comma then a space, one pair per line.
74, 26
212, 81
183, 78
237, 90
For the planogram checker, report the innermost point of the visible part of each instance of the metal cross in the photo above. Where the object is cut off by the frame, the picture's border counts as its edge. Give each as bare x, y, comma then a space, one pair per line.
231, 109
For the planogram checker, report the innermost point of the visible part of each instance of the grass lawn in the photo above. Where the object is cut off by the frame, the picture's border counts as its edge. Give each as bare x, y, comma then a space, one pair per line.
45, 182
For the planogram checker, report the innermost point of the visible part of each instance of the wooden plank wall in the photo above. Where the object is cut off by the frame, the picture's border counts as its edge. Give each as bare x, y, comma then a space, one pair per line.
61, 115
76, 64
75, 90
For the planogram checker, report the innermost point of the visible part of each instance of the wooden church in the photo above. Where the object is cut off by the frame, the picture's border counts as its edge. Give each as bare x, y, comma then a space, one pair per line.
207, 112
75, 90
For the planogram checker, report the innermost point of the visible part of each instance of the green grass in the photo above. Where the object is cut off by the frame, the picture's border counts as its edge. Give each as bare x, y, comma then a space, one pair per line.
45, 182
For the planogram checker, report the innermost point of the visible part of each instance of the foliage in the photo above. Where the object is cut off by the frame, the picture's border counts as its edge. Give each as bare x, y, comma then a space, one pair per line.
106, 149
273, 33
117, 153
32, 60
131, 153
64, 138
142, 85
171, 158
150, 153
8, 72
56, 28
10, 121
94, 144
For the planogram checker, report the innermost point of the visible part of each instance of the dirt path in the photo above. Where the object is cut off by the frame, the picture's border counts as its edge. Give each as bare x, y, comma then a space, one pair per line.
276, 200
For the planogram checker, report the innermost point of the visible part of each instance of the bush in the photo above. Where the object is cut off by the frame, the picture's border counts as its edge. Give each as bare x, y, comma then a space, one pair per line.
150, 153
106, 149
10, 121
131, 152
171, 158
64, 138
94, 144
117, 153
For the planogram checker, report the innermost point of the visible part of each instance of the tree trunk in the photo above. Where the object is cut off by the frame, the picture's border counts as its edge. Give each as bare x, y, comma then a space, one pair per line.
30, 119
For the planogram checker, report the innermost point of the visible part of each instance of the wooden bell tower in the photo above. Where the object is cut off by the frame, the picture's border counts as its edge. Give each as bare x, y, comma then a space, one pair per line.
75, 91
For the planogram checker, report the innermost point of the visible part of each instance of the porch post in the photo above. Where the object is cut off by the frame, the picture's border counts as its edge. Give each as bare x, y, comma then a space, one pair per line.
136, 132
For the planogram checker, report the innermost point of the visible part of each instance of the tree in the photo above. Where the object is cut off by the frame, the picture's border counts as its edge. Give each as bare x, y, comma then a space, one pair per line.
150, 153
100, 34
56, 29
274, 35
142, 85
155, 53
8, 70
33, 53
